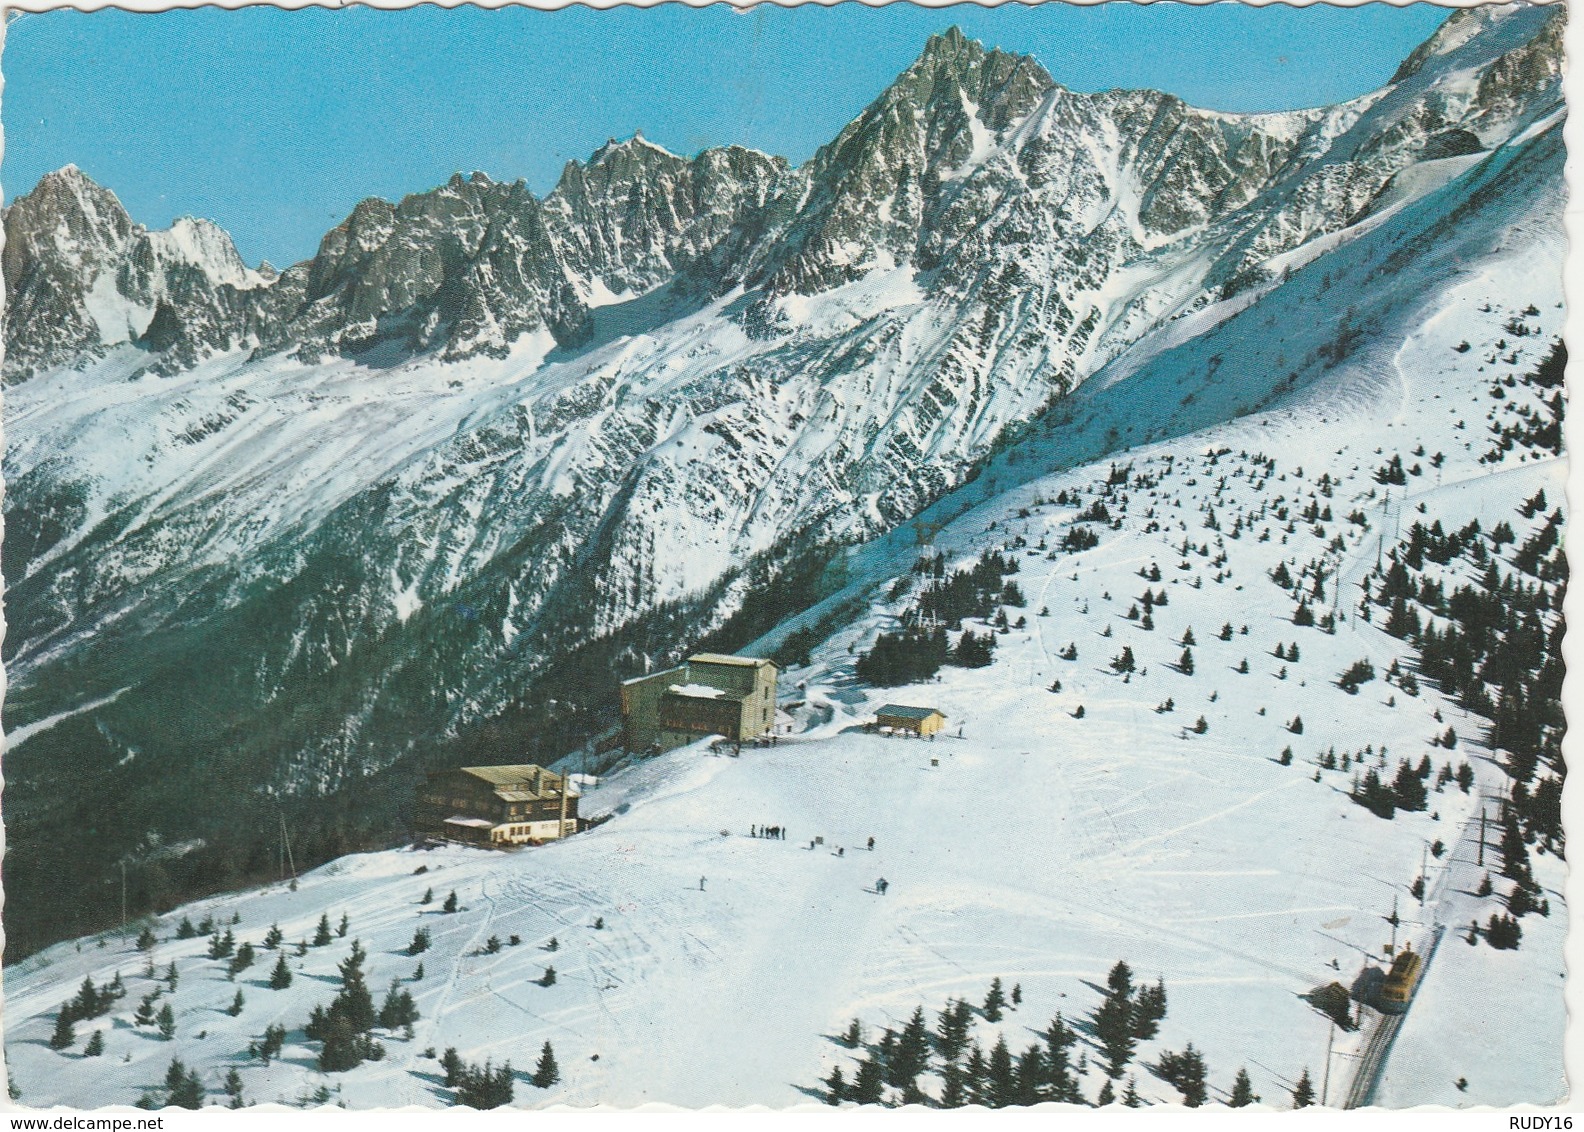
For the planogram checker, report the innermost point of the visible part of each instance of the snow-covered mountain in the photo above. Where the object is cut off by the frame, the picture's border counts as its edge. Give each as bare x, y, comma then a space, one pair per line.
1167, 781
288, 536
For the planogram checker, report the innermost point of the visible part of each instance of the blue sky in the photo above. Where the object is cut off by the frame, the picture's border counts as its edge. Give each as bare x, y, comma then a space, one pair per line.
275, 123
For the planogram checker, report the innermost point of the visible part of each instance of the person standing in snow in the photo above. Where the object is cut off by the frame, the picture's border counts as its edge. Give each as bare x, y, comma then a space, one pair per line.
871, 845
701, 884
881, 886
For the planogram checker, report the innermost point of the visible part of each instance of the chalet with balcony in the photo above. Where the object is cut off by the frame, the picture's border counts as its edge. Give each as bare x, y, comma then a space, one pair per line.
497, 806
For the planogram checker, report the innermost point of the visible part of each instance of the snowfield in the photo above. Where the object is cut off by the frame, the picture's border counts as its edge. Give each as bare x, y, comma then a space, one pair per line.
1030, 841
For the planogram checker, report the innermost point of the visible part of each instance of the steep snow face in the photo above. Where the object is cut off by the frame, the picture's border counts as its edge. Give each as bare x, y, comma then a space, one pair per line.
479, 431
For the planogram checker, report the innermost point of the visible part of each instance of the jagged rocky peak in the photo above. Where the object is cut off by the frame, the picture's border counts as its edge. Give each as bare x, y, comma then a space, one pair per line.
69, 215
82, 276
465, 267
875, 184
636, 214
1000, 85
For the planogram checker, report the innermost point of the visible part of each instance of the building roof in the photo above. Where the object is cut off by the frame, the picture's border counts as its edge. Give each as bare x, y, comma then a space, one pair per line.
699, 692
903, 711
521, 795
652, 675
722, 658
471, 823
508, 775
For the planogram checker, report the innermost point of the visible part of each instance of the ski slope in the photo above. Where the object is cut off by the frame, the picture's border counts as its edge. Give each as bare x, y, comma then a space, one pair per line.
1026, 843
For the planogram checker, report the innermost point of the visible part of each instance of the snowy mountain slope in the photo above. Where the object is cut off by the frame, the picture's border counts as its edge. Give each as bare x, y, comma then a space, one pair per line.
1043, 846
355, 518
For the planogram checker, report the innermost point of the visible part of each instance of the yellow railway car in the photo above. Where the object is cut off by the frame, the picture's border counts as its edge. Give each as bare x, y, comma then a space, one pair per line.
1398, 989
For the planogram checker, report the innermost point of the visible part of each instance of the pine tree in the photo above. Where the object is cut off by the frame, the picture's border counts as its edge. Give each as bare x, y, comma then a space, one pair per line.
170, 976
869, 1083
1017, 994
1113, 1025
999, 1078
835, 1087
1130, 1095
322, 932
166, 1020
1408, 789
341, 928
399, 1009
976, 1075
87, 1004
242, 960
1185, 664
270, 1045
273, 937
233, 1088
452, 1064
1304, 1095
95, 1045
952, 1094
1242, 1090
428, 896
1149, 1007
546, 1073
184, 1090
281, 976
1028, 1077
145, 939
853, 1034
1061, 1084
64, 1035
236, 1004
1107, 1095
450, 904
912, 1054
950, 1038
994, 1001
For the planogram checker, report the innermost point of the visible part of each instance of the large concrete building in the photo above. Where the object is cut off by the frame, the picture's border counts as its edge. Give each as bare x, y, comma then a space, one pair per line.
496, 805
709, 694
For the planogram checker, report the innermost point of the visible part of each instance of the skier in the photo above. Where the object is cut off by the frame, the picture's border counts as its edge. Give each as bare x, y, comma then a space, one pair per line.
701, 884
881, 886
841, 851
871, 845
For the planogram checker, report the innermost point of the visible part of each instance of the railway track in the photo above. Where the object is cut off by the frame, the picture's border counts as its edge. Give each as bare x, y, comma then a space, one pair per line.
1372, 1062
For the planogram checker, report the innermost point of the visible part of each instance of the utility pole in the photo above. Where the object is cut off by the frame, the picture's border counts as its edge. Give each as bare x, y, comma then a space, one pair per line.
1481, 861
1325, 1080
286, 844
123, 894
1394, 921
1424, 868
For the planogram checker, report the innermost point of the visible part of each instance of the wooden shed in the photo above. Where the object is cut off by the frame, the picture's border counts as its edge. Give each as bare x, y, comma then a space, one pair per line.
920, 721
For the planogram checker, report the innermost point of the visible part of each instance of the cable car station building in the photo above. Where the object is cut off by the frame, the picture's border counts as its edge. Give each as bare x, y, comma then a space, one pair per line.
709, 694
